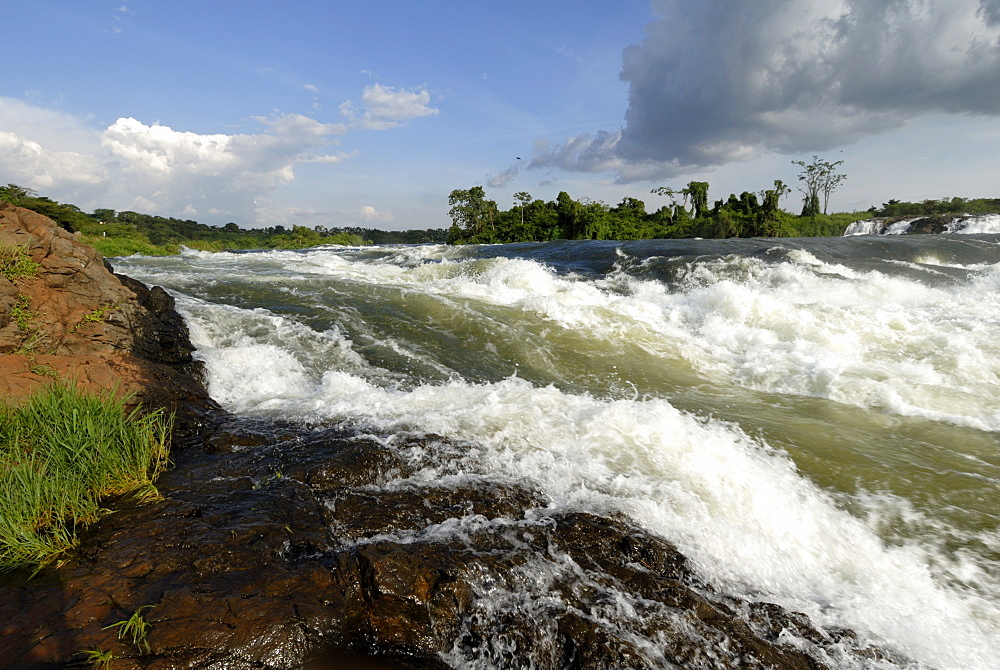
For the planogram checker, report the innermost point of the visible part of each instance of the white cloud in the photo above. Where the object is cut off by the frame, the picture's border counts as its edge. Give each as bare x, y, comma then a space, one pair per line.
371, 215
28, 163
716, 81
387, 107
504, 178
184, 171
44, 149
158, 169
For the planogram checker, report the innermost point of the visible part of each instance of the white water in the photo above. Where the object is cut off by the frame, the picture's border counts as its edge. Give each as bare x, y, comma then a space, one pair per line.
737, 506
985, 224
980, 225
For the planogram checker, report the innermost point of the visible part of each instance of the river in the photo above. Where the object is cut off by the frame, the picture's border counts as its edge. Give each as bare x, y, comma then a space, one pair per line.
813, 422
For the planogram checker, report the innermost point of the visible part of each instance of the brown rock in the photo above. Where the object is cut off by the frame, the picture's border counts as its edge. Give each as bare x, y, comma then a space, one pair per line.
83, 323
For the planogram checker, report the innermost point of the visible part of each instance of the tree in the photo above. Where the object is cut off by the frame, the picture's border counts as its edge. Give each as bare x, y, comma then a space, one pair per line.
15, 194
672, 194
524, 198
769, 215
471, 211
567, 216
699, 197
103, 215
820, 176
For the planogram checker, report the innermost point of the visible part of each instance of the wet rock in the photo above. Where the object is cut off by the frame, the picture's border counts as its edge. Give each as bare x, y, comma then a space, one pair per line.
301, 552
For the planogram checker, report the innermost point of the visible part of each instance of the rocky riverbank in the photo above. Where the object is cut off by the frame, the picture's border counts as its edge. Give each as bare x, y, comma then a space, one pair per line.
75, 320
281, 546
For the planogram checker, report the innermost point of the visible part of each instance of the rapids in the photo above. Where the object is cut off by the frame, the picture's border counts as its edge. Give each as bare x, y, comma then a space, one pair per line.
813, 422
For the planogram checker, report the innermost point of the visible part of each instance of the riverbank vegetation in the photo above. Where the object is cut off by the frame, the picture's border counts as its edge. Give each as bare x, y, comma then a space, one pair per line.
62, 453
124, 233
475, 219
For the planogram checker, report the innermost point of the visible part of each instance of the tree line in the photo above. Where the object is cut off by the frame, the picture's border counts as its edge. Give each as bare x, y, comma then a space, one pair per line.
478, 220
127, 232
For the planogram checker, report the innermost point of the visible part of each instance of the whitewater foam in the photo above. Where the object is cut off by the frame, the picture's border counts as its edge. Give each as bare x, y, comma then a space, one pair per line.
964, 224
732, 501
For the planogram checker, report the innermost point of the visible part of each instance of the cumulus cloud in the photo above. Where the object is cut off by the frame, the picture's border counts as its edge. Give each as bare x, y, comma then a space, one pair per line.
44, 149
715, 81
27, 162
371, 215
386, 107
158, 169
175, 170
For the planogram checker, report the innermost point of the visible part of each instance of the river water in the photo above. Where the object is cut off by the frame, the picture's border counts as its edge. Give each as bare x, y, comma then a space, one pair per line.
813, 422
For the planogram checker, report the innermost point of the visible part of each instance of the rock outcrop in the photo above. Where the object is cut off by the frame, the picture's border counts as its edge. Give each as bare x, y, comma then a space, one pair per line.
297, 553
75, 320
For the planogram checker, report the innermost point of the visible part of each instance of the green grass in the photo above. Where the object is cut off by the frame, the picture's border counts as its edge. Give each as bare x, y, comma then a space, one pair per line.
111, 247
825, 225
98, 658
15, 263
61, 453
135, 627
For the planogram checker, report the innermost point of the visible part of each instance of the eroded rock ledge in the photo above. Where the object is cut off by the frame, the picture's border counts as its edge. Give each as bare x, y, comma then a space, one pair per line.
76, 320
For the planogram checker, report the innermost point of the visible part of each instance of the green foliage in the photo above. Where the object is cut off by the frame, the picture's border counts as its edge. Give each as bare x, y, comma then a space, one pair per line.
98, 658
15, 263
135, 627
21, 315
96, 316
15, 194
25, 320
474, 214
824, 225
135, 243
125, 233
747, 215
345, 239
937, 207
61, 453
299, 237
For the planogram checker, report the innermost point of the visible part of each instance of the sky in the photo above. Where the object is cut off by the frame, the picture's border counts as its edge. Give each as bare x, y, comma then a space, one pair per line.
333, 113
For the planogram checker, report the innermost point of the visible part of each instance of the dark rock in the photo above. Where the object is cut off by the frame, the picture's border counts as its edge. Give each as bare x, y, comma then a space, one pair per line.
302, 551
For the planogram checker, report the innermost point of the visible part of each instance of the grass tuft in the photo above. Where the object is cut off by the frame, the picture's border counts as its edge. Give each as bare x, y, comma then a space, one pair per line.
15, 263
135, 627
61, 453
98, 658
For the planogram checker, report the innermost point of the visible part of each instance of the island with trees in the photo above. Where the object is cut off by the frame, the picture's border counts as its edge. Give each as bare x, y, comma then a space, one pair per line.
478, 220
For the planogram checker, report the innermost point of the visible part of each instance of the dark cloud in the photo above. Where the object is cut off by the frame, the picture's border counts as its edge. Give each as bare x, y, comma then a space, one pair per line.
990, 11
715, 81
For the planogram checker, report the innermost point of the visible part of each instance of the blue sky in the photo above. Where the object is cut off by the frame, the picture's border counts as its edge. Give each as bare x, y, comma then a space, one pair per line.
370, 113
